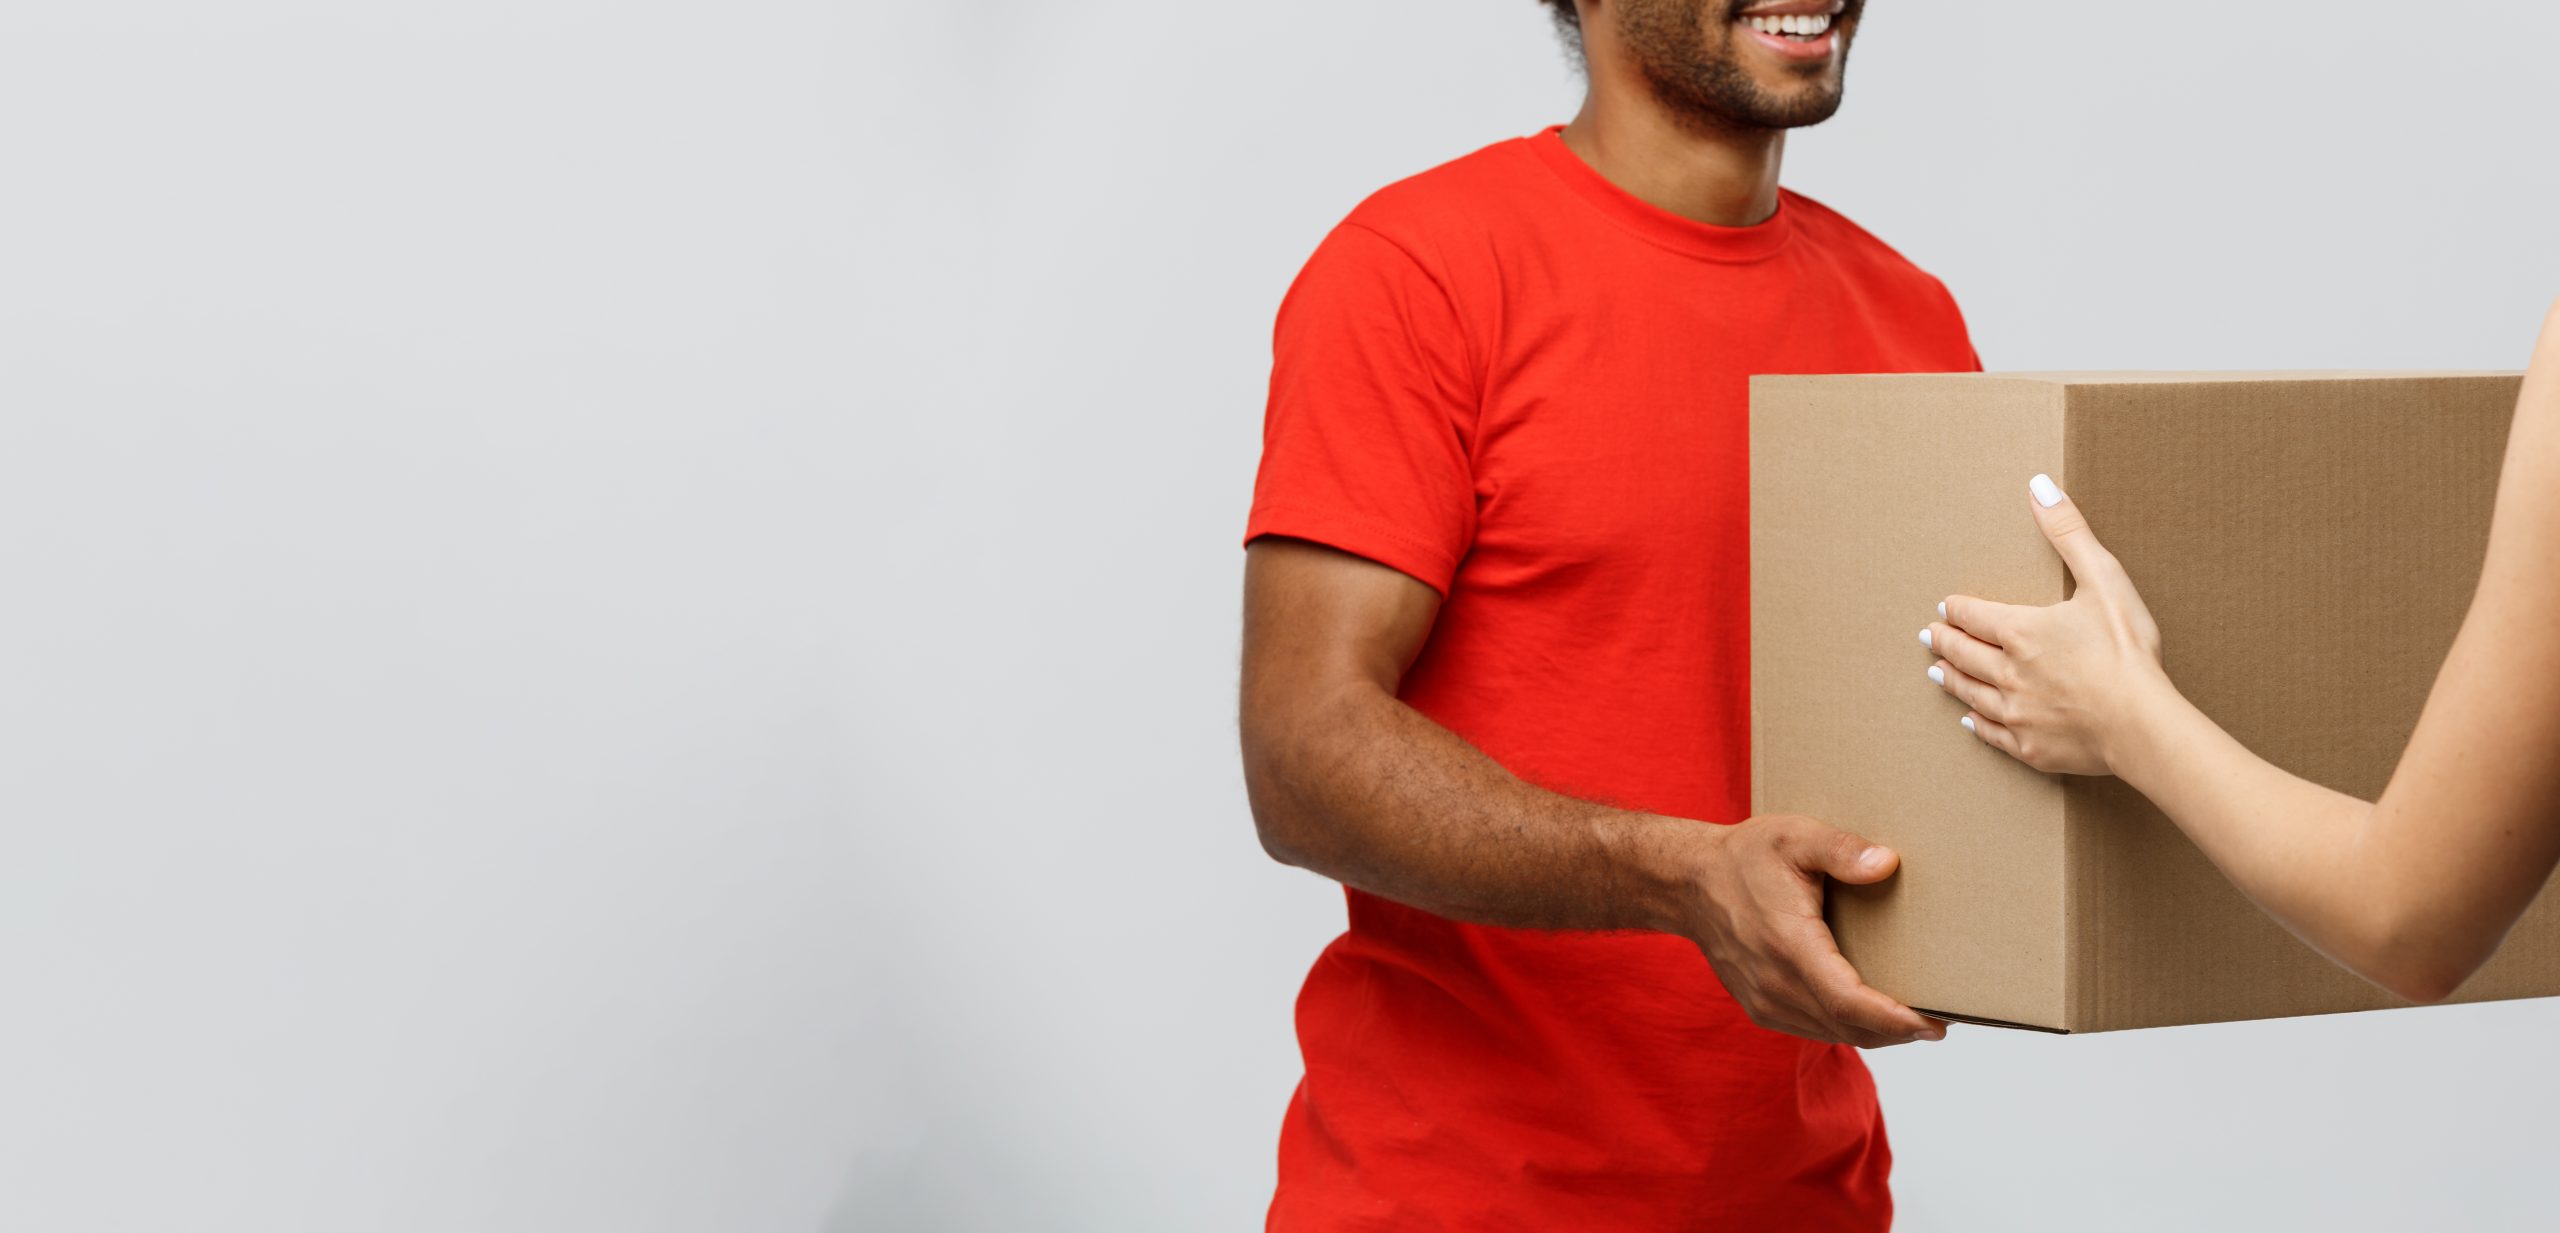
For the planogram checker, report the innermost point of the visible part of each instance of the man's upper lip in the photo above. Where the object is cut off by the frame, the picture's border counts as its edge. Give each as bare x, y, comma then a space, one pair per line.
1794, 8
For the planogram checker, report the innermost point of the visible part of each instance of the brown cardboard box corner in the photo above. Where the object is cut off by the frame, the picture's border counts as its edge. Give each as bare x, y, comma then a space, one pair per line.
2308, 543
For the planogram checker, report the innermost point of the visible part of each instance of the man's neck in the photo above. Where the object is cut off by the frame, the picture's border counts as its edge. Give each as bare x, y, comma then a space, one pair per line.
1728, 178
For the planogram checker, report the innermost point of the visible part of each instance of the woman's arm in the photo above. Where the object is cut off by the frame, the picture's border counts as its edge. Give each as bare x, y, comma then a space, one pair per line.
2413, 892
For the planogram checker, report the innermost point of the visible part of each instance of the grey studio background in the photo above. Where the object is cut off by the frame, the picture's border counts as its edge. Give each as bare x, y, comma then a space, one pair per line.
622, 616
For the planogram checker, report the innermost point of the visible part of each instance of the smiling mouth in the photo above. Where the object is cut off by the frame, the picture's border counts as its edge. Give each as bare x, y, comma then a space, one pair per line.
1794, 27
1807, 34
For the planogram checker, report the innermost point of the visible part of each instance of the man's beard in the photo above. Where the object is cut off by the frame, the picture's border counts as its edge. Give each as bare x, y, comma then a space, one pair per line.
1693, 68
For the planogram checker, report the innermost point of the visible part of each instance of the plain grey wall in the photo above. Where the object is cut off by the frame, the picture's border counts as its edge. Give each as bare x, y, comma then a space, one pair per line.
622, 616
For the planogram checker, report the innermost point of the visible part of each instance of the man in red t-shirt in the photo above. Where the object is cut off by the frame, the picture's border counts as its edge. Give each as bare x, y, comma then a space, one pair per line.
1496, 662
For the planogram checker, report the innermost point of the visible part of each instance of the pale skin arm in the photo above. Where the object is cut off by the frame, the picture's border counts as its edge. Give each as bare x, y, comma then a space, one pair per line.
2414, 891
1350, 782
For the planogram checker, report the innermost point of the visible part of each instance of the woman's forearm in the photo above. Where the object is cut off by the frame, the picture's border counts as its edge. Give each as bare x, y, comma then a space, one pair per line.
2317, 860
2414, 891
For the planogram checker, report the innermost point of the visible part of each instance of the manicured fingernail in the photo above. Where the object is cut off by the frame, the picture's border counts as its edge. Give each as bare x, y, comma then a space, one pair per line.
2047, 495
1942, 610
1967, 721
1937, 675
1925, 641
1874, 858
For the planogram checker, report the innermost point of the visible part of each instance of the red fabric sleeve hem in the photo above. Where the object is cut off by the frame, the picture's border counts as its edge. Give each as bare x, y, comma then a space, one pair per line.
1425, 563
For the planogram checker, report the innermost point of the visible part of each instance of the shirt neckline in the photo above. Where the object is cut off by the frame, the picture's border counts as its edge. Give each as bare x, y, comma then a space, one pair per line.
1656, 225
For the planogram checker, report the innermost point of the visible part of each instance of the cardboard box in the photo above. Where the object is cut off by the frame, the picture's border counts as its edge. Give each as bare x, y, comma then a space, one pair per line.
2308, 543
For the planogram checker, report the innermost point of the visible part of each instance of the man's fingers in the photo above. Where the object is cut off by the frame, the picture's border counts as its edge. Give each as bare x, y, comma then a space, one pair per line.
1774, 1000
1790, 1011
1790, 1007
1873, 1040
1798, 982
1966, 689
1840, 1021
1974, 657
1988, 620
1858, 1038
1855, 1006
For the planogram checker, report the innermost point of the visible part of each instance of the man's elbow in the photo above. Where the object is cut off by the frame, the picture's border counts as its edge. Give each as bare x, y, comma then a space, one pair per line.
1274, 822
1279, 839
1297, 752
1278, 844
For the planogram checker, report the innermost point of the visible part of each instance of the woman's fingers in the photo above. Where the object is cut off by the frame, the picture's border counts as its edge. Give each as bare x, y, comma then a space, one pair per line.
2048, 685
1978, 659
1993, 733
1967, 689
1988, 620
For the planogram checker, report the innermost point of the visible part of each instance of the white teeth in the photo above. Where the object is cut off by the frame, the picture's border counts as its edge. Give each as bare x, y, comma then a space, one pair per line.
1802, 26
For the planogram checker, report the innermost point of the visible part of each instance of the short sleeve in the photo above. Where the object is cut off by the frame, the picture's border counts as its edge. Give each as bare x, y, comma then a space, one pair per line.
1964, 335
1366, 440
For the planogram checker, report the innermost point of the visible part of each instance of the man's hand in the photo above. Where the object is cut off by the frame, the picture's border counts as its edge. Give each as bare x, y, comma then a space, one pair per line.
1757, 913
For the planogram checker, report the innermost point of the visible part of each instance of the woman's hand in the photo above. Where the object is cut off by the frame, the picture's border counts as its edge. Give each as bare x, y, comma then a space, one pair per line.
2058, 688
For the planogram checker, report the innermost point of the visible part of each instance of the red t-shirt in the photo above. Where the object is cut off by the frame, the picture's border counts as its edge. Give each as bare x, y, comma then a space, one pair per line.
1515, 382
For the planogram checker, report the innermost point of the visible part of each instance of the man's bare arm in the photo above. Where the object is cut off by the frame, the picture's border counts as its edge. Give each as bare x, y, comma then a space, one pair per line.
1348, 781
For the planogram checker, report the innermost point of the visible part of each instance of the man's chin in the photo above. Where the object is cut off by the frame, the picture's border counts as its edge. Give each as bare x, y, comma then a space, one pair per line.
1798, 109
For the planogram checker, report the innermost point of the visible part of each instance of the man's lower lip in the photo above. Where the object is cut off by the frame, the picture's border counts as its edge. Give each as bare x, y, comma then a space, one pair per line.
1814, 48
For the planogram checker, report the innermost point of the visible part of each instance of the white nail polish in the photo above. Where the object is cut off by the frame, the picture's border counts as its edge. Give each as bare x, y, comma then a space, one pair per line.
1942, 610
1924, 640
2047, 495
1937, 675
1967, 721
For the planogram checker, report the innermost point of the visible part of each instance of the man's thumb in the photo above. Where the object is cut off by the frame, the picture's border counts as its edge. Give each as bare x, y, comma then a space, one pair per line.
1848, 858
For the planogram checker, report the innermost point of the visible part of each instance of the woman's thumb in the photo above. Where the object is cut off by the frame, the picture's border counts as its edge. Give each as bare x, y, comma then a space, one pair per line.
2063, 526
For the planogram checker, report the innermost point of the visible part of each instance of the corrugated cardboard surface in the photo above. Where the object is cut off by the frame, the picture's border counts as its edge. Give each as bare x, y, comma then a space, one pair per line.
2309, 547
2308, 543
1851, 550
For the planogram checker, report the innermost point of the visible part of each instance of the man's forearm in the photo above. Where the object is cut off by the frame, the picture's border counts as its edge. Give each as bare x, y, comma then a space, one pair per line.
1366, 790
1353, 784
